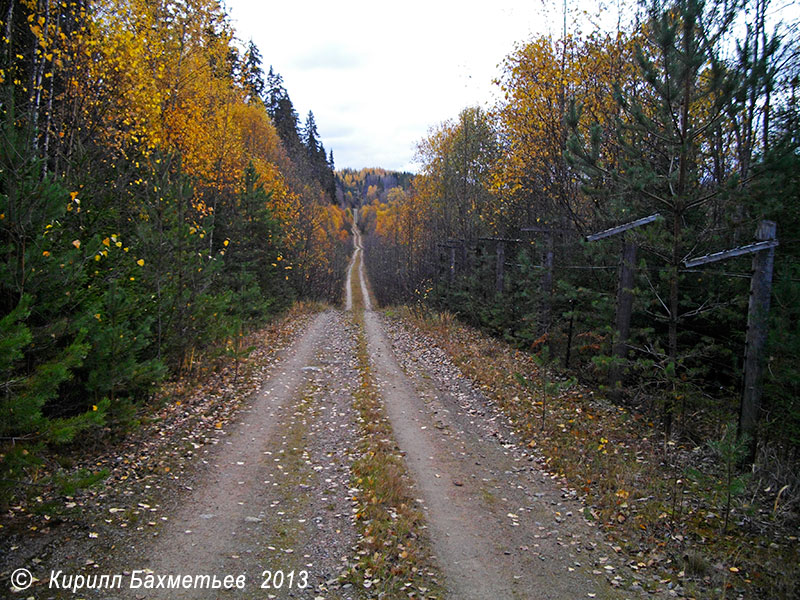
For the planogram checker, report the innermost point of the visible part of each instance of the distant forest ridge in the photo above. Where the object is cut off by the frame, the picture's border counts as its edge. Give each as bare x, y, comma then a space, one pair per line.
356, 188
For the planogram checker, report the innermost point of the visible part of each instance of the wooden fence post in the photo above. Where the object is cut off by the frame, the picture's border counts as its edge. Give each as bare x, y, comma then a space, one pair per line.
499, 282
452, 270
547, 283
757, 329
627, 270
569, 334
763, 251
622, 321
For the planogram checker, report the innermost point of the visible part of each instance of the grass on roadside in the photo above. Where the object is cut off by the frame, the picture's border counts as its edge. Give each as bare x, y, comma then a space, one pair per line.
394, 555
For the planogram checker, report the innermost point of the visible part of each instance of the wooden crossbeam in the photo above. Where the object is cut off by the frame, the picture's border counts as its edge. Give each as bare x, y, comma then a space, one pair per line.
725, 254
540, 229
622, 228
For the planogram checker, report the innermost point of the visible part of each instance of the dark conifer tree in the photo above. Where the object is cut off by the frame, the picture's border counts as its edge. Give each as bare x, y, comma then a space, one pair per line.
285, 121
252, 73
274, 92
317, 160
660, 141
311, 137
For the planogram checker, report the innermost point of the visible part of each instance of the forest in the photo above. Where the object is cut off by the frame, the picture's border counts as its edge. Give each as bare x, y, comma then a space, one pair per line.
159, 197
369, 185
585, 215
621, 220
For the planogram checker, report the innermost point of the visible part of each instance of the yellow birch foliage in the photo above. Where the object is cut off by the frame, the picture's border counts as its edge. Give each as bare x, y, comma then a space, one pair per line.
458, 160
403, 222
538, 82
145, 76
157, 74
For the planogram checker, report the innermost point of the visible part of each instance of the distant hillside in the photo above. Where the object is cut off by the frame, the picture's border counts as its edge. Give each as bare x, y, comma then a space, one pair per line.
355, 188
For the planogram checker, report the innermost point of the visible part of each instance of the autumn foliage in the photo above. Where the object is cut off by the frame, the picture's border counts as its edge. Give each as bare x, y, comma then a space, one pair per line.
150, 211
688, 113
685, 120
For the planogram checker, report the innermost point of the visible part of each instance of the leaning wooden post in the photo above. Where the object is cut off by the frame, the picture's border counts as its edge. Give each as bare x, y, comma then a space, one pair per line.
569, 334
624, 310
622, 320
499, 282
757, 329
763, 251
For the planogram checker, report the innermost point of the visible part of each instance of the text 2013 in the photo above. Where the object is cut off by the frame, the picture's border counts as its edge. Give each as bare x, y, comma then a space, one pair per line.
276, 580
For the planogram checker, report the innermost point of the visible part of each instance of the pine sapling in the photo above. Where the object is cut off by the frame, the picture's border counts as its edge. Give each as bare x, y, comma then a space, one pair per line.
547, 386
731, 449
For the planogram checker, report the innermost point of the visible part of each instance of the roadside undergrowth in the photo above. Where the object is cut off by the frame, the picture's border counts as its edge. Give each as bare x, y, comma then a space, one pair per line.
669, 525
183, 416
394, 558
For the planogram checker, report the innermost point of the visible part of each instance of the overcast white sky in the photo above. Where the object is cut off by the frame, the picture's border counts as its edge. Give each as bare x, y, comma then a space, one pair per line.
378, 75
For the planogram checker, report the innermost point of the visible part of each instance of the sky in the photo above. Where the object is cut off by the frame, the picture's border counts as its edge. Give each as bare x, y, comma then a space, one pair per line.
378, 75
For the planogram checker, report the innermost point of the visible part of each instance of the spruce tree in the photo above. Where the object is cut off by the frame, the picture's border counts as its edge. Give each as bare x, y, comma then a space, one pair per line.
285, 120
274, 92
252, 74
311, 137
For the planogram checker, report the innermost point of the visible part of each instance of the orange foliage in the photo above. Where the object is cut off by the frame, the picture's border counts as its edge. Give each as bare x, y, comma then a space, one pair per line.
157, 74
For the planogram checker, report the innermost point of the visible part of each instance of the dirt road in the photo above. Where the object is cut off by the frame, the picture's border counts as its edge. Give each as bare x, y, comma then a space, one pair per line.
273, 497
268, 509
